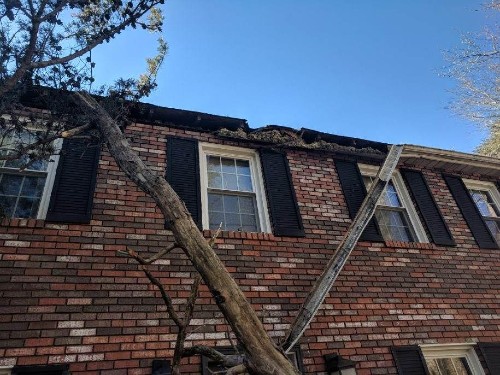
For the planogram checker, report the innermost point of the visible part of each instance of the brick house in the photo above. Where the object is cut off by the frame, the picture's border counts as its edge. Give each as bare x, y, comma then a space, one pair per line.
420, 293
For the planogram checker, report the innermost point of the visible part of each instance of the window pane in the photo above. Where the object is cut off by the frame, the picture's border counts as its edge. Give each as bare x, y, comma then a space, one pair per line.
248, 223
16, 163
237, 213
39, 165
7, 205
213, 164
229, 181
494, 227
216, 218
26, 208
245, 183
215, 202
33, 186
214, 180
228, 165
10, 184
231, 204
392, 195
232, 221
485, 203
247, 205
243, 167
448, 366
393, 225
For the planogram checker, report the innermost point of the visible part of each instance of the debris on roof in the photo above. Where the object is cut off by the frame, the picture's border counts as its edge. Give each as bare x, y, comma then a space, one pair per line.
288, 137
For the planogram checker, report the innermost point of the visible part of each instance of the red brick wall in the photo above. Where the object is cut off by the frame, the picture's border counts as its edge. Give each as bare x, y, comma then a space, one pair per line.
67, 298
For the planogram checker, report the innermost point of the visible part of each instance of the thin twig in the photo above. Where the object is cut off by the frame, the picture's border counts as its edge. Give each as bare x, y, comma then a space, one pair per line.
216, 356
166, 298
132, 253
181, 335
216, 234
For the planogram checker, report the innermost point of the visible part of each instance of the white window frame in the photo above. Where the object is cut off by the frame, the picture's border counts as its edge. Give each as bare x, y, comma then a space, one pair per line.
211, 149
49, 180
433, 351
404, 197
486, 186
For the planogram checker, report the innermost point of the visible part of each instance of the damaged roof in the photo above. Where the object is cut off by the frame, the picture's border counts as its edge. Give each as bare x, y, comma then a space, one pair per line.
236, 128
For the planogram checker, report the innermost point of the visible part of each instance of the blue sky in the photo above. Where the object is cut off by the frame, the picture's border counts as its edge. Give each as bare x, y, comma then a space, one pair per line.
367, 69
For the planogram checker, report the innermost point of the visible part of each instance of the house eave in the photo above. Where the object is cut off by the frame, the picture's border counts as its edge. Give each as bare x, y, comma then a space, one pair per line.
451, 161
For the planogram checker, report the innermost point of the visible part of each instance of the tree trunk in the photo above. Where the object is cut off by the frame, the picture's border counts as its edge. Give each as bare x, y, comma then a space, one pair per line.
262, 354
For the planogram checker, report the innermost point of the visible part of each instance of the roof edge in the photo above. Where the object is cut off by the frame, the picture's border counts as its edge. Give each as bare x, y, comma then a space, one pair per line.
450, 157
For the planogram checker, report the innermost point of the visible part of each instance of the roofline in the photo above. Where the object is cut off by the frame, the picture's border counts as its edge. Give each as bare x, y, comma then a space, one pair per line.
449, 156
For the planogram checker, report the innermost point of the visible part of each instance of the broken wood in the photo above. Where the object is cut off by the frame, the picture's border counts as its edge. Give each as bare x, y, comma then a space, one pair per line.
322, 286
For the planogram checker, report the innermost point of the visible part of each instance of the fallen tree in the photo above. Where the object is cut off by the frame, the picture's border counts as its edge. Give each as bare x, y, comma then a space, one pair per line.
38, 53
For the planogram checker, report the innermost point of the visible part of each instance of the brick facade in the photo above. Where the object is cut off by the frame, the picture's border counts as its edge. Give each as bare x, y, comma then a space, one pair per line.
68, 298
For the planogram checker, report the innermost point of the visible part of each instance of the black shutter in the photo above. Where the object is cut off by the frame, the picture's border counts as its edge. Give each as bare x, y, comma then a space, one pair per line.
470, 212
40, 370
409, 360
354, 191
183, 173
283, 208
74, 184
428, 208
491, 354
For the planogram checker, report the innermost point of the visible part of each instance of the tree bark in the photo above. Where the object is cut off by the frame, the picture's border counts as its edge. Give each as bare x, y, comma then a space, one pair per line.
263, 357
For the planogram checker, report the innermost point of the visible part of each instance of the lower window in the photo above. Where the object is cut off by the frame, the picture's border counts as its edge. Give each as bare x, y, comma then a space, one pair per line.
452, 359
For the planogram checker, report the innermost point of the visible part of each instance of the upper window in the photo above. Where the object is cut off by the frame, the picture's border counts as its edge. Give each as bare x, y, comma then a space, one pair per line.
24, 186
395, 214
452, 359
232, 189
487, 200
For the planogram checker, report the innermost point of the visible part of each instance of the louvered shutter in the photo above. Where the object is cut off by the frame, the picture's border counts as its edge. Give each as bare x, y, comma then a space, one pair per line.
427, 206
491, 354
183, 173
409, 360
74, 184
354, 191
470, 212
281, 200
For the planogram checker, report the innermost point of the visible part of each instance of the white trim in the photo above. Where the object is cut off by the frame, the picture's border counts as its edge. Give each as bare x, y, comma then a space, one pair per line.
257, 180
49, 181
448, 156
399, 185
484, 186
431, 351
5, 370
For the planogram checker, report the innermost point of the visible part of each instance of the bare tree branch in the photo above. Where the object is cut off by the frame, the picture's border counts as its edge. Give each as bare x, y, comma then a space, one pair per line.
214, 355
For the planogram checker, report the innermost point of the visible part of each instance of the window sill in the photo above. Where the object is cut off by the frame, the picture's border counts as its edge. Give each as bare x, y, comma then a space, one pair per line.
410, 245
208, 233
28, 223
